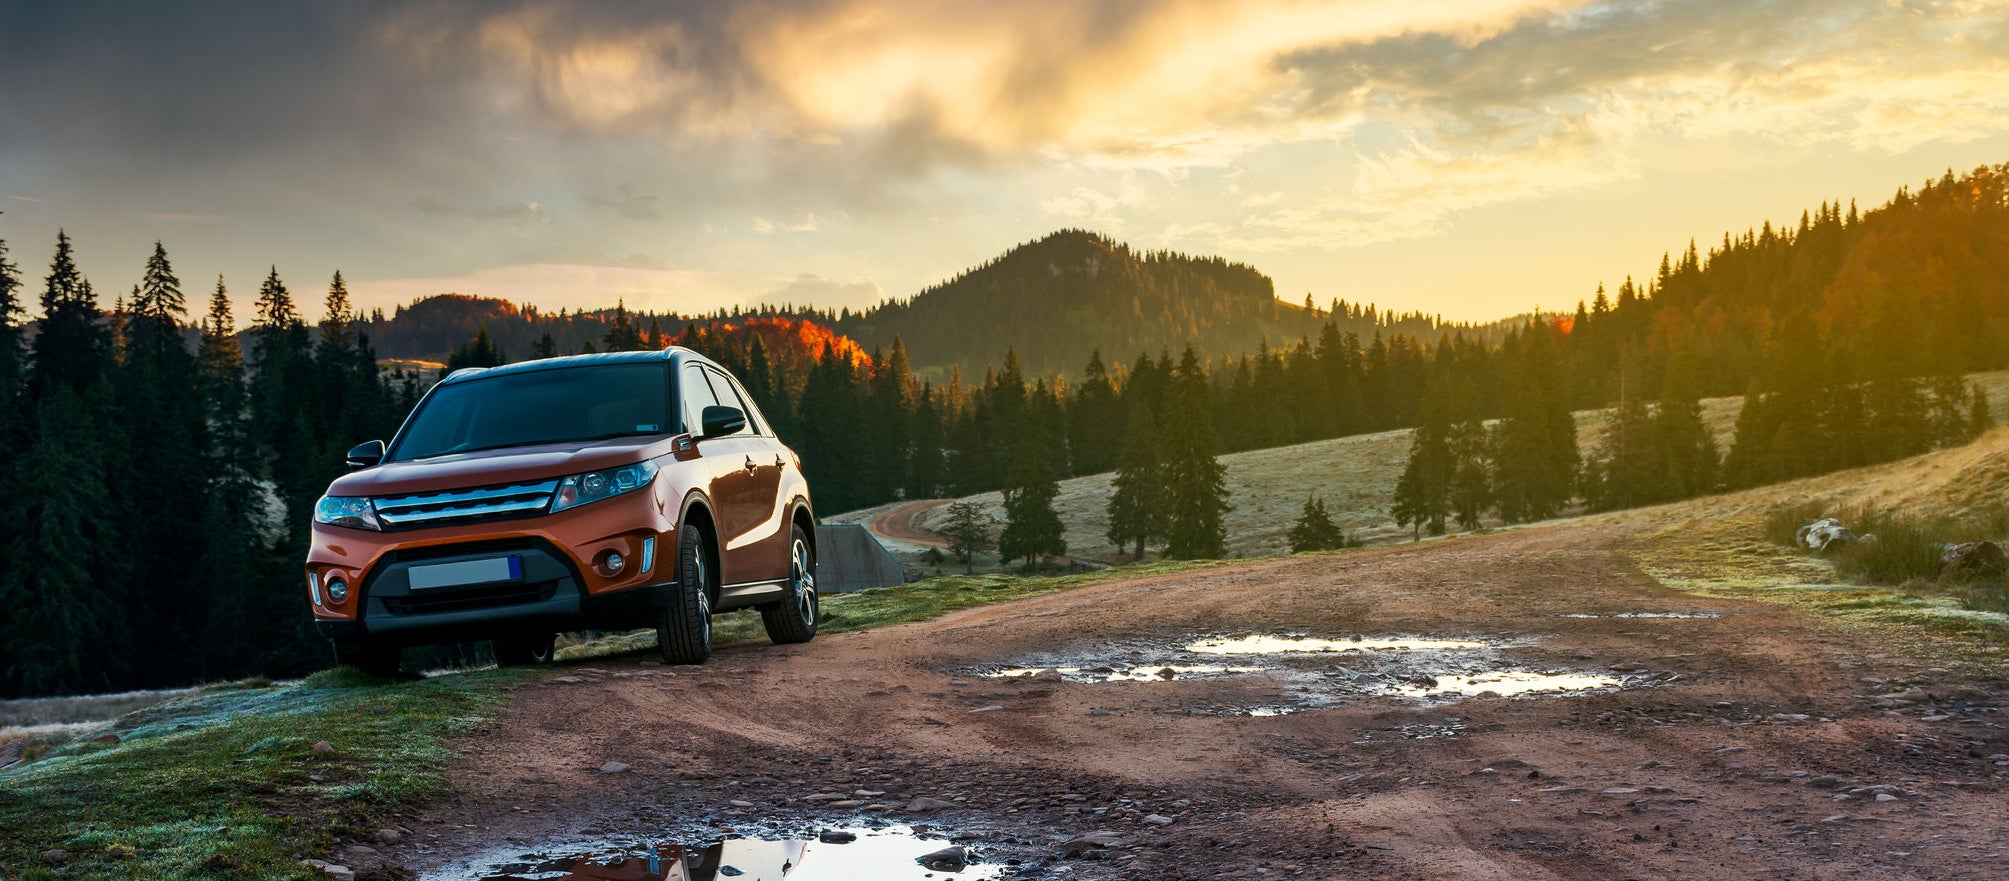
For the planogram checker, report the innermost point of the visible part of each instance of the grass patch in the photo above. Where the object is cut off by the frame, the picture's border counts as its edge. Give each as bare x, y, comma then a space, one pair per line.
1734, 558
222, 783
881, 606
1906, 549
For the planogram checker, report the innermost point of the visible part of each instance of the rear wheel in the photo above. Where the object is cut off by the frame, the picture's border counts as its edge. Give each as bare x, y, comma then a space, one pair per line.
794, 618
372, 658
684, 631
523, 650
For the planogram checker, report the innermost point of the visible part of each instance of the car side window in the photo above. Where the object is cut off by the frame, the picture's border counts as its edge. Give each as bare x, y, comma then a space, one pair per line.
728, 394
697, 395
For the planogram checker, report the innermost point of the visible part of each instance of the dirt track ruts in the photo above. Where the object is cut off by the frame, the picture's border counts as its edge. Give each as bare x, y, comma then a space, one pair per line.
1715, 775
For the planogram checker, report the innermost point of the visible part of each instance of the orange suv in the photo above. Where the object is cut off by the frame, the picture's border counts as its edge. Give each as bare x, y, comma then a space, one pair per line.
603, 492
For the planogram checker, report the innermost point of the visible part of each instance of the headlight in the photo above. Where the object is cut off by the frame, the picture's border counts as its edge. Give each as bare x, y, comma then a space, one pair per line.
351, 511
596, 485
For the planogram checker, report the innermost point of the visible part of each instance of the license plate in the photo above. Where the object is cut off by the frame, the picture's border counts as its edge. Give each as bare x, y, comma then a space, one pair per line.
466, 572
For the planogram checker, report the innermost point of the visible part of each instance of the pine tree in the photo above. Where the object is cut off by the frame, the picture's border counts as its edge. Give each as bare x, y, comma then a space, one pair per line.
622, 335
968, 532
1095, 422
547, 347
1136, 512
1314, 529
1423, 492
73, 346
1535, 462
1195, 491
1979, 420
1032, 527
158, 428
59, 622
478, 352
1631, 469
10, 352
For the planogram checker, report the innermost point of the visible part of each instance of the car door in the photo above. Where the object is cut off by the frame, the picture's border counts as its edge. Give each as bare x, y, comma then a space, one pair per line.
722, 459
760, 536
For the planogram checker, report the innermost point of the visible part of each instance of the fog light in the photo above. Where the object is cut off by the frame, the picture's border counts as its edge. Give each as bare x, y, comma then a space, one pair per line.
648, 553
338, 590
314, 586
613, 562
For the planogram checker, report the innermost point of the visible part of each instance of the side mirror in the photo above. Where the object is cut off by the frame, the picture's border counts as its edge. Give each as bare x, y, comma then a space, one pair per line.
365, 455
721, 420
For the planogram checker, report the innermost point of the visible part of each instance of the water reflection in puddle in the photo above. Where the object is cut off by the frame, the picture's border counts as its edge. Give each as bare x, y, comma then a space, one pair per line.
1148, 673
1278, 645
1281, 674
896, 853
1507, 683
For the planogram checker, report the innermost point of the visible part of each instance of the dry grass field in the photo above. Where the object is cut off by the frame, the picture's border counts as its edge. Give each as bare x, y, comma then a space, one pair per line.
1355, 475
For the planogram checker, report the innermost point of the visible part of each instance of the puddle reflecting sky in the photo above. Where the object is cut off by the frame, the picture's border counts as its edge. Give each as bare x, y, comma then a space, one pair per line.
1149, 673
1260, 644
1507, 683
876, 855
1281, 674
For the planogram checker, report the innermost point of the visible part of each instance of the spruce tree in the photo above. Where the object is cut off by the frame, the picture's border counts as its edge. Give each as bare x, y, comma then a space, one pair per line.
1535, 460
478, 352
73, 346
1095, 422
1032, 528
1423, 492
1135, 510
60, 621
547, 347
10, 341
158, 428
1686, 447
968, 532
1195, 491
1630, 470
1979, 420
1314, 529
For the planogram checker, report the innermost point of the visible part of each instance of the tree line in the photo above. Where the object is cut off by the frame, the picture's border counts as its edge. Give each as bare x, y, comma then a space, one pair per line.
159, 492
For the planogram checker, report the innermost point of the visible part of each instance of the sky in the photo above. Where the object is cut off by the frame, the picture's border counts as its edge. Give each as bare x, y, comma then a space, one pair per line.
1469, 158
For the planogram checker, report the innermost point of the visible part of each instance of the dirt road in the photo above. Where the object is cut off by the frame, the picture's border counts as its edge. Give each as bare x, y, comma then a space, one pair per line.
1752, 744
898, 524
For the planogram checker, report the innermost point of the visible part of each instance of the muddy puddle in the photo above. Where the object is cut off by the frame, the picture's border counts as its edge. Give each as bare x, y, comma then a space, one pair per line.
1290, 673
897, 853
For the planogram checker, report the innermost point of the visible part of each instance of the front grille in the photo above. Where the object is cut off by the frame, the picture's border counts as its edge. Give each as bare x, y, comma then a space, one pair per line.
465, 506
486, 597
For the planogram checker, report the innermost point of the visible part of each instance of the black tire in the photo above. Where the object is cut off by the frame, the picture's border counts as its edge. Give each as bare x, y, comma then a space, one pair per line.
794, 618
523, 650
373, 659
684, 632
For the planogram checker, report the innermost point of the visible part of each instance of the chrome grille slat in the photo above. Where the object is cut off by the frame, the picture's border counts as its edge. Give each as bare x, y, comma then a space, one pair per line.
469, 504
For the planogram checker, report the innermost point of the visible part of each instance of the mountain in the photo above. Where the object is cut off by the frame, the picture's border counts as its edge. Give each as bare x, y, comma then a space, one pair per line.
1058, 299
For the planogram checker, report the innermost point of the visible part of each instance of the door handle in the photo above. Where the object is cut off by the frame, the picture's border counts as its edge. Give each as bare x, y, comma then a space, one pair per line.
749, 463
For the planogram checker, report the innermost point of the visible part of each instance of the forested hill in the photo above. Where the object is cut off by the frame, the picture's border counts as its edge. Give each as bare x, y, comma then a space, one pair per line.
1063, 297
1055, 300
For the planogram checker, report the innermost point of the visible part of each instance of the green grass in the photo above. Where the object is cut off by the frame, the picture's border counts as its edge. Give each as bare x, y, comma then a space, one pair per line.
1733, 558
180, 795
1906, 550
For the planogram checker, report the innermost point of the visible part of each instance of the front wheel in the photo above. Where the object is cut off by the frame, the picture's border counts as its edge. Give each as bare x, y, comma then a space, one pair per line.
794, 618
684, 631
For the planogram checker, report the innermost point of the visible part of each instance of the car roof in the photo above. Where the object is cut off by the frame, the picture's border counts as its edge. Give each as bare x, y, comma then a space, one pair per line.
669, 353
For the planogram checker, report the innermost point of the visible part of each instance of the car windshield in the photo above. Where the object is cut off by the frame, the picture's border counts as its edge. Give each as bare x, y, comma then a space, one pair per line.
538, 407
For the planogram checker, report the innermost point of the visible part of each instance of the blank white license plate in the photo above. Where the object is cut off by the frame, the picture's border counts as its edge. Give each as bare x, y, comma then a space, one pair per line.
467, 572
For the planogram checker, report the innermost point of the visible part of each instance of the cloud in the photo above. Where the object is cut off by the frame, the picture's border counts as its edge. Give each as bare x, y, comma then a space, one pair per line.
515, 212
630, 204
28, 199
764, 226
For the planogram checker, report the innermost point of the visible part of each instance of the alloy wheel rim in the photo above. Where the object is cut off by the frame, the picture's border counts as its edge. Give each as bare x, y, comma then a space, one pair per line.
805, 582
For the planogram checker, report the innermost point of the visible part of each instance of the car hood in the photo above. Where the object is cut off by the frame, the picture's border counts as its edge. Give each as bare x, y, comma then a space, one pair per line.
500, 466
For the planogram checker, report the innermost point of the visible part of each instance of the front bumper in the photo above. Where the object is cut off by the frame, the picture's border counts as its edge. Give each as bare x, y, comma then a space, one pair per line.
562, 585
